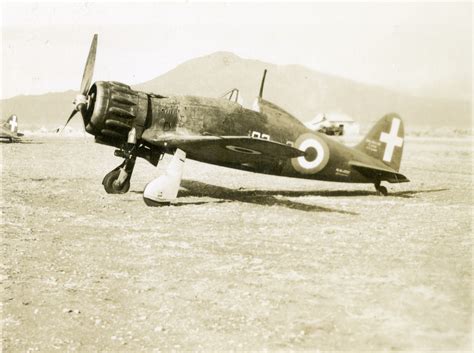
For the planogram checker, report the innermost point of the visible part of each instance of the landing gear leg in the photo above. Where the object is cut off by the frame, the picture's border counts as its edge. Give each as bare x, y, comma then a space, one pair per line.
381, 190
118, 180
164, 189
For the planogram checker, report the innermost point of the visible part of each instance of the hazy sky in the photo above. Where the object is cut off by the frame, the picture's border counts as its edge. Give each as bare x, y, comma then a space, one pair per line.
416, 47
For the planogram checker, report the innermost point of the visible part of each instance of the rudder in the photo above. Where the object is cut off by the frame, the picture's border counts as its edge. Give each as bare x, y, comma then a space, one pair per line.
12, 123
385, 141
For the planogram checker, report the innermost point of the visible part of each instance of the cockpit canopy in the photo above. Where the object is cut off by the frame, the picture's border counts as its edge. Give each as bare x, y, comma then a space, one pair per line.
233, 96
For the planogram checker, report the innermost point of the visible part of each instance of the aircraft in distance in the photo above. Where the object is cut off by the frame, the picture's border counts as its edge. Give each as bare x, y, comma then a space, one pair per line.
9, 131
220, 131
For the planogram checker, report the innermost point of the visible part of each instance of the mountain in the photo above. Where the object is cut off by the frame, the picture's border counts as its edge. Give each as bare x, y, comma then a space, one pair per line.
301, 91
35, 111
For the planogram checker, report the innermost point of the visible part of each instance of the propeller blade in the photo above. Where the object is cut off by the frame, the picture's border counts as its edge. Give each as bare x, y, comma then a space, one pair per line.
69, 119
89, 68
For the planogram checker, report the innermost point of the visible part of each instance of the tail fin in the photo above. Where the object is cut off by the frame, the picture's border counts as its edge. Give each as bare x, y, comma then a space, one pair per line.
385, 141
12, 124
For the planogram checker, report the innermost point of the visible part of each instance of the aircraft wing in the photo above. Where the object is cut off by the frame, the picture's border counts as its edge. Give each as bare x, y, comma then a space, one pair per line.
6, 134
226, 150
387, 173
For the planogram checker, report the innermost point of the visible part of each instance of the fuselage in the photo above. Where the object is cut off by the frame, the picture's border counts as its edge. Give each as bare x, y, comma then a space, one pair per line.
115, 108
9, 130
188, 115
219, 131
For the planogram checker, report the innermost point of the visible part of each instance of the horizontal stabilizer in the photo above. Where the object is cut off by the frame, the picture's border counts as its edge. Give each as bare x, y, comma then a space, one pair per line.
380, 173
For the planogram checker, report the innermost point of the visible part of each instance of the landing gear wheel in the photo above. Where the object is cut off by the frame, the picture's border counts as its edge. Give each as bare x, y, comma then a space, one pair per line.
383, 190
152, 203
111, 187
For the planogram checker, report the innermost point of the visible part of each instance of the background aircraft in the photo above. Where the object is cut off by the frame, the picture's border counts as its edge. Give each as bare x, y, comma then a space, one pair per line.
9, 131
220, 131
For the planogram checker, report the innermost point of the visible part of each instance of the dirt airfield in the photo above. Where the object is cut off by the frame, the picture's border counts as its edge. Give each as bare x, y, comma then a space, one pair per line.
242, 262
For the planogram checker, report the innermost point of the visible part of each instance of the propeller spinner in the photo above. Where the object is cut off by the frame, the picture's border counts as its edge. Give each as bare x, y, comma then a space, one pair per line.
81, 100
110, 110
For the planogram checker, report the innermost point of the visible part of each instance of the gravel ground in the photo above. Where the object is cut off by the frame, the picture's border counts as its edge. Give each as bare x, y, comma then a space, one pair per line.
241, 262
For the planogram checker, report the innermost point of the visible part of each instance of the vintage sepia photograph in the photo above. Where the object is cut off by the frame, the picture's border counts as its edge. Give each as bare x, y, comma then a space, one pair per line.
236, 176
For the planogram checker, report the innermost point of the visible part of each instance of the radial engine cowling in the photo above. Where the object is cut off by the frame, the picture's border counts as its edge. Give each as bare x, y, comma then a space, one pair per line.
115, 108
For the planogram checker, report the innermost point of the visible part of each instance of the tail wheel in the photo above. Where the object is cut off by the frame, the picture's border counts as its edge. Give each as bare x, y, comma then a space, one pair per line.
111, 187
381, 190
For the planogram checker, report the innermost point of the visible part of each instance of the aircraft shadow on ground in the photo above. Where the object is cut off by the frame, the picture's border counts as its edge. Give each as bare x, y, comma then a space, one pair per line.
196, 188
408, 194
260, 197
22, 142
193, 188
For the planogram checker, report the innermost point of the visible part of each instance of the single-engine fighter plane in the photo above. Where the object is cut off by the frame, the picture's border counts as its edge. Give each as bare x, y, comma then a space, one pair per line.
9, 131
221, 132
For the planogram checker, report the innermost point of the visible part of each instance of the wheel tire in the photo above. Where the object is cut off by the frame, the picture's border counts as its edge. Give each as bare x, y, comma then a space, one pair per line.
383, 190
152, 203
110, 187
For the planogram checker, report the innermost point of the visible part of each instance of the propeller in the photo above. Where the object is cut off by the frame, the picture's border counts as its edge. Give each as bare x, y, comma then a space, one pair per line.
80, 102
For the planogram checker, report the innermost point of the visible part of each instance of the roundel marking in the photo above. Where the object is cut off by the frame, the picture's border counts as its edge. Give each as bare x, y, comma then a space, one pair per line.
316, 157
242, 149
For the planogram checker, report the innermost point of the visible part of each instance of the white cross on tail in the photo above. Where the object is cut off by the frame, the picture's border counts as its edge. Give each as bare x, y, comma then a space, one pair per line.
13, 123
391, 139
